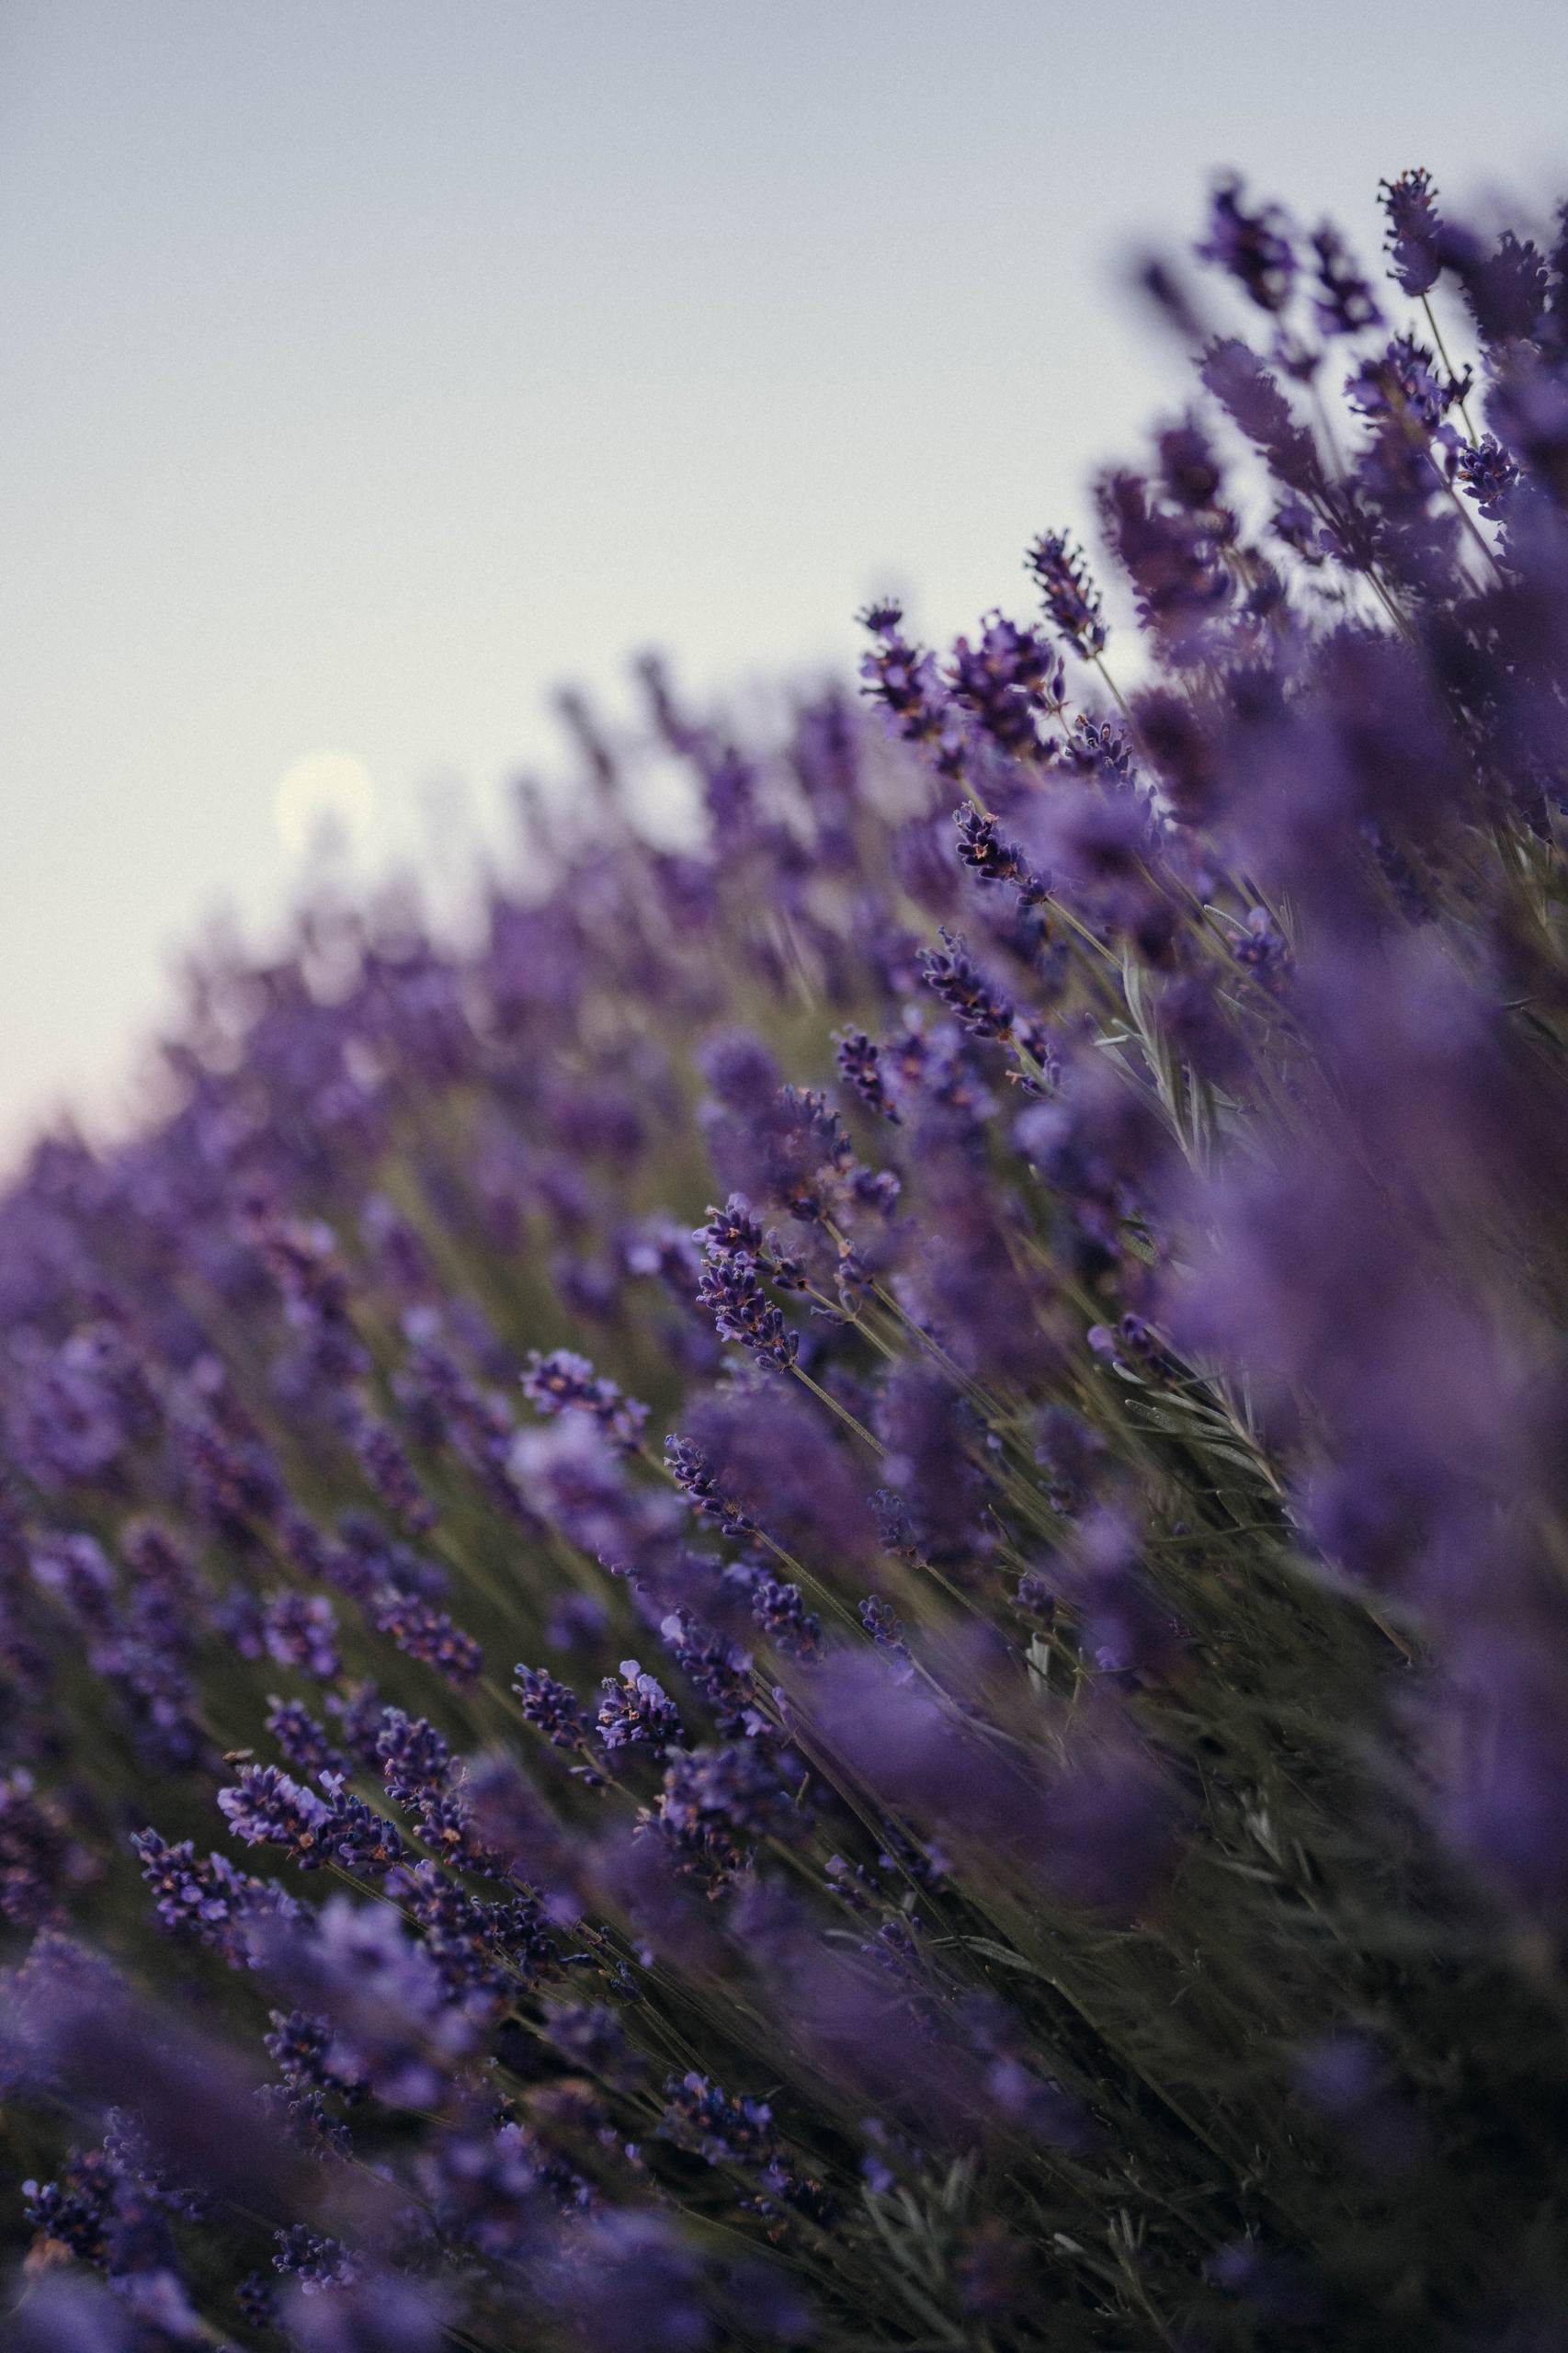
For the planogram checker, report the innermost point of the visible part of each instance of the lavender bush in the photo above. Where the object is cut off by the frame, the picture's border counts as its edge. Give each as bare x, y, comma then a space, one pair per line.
823, 1604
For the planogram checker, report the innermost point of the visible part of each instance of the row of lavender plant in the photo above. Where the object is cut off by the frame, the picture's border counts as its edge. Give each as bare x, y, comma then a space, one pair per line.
822, 1602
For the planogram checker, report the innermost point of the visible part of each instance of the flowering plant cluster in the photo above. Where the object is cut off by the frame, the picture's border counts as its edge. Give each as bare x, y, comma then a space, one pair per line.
821, 1602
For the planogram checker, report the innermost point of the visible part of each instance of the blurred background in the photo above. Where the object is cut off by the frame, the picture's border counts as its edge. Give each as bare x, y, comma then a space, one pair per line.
371, 368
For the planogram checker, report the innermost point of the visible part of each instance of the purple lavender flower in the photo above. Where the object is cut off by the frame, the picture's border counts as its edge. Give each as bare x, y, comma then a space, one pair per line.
1402, 383
302, 1256
739, 1071
1255, 248
230, 1477
932, 1468
370, 2312
627, 2284
992, 859
699, 2116
718, 1802
359, 1711
1071, 599
263, 1807
207, 1898
1489, 474
732, 1228
858, 1060
303, 1740
885, 1626
792, 1152
1009, 680
1261, 947
387, 1467
75, 1569
1245, 388
1345, 304
689, 1469
574, 1477
1071, 1452
774, 1462
719, 1669
552, 1708
779, 1608
635, 1711
1413, 235
427, 1635
316, 2262
953, 975
480, 1947
38, 1857
416, 1758
298, 2046
732, 1291
564, 1380
446, 1406
76, 2209
1176, 559
393, 2022
904, 679
302, 1630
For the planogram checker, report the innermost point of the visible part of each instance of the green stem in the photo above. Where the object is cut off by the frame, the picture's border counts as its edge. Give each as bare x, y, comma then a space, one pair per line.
843, 1411
1443, 356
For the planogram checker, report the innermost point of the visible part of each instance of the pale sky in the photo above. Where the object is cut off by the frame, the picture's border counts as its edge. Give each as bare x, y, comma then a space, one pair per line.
369, 367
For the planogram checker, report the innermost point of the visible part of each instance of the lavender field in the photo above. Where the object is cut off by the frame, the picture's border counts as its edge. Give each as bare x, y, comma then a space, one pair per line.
825, 1602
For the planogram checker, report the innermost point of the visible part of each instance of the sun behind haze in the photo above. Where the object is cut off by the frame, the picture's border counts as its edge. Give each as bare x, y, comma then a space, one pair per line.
328, 794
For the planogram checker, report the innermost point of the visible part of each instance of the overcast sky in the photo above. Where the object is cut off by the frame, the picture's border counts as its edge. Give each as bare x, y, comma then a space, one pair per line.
368, 368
